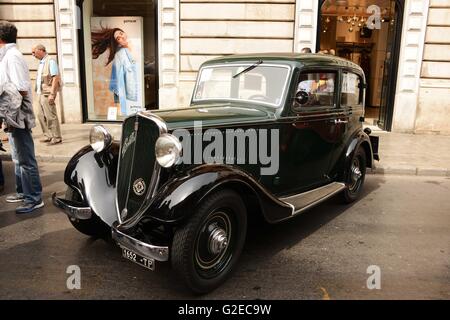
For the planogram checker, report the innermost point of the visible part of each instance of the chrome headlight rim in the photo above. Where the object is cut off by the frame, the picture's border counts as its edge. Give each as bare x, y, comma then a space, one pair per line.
99, 138
168, 150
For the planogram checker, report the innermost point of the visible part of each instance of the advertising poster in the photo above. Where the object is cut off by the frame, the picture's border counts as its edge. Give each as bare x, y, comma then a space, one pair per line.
117, 65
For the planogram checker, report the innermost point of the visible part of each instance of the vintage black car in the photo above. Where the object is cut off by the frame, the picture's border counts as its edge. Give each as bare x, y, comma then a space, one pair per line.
269, 135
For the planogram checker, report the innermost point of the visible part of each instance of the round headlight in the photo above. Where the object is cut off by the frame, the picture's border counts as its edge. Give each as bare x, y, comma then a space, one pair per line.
99, 138
168, 150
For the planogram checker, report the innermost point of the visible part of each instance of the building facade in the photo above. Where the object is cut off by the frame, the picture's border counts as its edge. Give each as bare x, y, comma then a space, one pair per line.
407, 57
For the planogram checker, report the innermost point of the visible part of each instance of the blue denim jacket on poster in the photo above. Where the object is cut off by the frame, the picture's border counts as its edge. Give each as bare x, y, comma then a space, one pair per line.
124, 80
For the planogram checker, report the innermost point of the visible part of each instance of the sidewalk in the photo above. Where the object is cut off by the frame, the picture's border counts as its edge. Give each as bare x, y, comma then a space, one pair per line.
402, 154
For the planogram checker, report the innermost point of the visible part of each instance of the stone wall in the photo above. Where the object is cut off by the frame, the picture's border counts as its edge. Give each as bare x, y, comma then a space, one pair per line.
215, 28
433, 113
410, 61
35, 22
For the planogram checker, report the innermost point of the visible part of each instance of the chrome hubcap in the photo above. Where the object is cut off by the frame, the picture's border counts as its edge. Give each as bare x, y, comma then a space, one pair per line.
218, 241
356, 173
213, 245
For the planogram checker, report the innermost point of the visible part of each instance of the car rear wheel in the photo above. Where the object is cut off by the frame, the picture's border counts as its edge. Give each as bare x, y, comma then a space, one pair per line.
356, 173
93, 227
206, 249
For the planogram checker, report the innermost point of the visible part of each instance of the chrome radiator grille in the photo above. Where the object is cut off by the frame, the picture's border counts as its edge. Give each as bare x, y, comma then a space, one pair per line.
138, 171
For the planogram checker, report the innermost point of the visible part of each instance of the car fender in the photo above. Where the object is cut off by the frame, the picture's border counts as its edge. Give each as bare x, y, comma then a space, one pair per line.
93, 176
359, 139
177, 199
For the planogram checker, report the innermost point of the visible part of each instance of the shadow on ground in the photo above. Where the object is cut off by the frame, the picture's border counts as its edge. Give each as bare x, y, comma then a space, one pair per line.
36, 268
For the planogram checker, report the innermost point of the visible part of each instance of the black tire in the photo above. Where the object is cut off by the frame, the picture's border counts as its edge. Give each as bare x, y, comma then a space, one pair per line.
193, 249
94, 227
355, 176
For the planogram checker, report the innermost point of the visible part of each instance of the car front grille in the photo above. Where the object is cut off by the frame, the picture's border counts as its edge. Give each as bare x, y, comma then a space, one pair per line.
138, 172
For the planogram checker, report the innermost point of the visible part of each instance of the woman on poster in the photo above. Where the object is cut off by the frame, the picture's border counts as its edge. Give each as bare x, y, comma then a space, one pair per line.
124, 78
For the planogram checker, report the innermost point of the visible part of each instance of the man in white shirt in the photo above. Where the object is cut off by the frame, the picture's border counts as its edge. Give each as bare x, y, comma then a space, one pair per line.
14, 69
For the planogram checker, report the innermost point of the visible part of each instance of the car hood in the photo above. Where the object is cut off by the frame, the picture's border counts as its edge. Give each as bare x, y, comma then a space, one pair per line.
215, 115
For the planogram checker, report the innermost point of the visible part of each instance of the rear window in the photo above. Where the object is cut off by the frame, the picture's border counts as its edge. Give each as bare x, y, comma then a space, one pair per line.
351, 94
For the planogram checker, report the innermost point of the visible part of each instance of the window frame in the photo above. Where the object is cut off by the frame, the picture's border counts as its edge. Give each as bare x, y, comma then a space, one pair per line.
361, 88
195, 101
84, 81
337, 80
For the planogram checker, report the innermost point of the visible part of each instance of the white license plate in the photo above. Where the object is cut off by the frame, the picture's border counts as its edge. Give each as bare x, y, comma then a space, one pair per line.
140, 260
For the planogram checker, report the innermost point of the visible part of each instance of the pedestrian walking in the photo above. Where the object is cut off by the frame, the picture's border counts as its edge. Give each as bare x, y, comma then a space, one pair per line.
47, 87
14, 71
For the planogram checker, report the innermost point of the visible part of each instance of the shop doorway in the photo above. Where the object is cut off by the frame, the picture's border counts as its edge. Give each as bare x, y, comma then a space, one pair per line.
367, 33
118, 54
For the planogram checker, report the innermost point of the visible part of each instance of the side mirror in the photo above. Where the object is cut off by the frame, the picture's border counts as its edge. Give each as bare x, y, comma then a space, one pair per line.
302, 97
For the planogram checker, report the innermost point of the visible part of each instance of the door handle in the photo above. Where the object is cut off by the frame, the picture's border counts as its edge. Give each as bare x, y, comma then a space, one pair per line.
339, 121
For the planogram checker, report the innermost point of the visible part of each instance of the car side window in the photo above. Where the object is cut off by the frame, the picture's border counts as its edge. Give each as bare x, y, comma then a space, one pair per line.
315, 89
352, 93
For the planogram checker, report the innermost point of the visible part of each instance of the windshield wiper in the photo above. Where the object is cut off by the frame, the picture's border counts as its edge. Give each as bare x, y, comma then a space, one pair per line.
248, 69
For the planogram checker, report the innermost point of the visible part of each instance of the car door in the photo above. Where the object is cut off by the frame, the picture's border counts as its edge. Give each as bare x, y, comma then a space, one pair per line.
308, 138
350, 109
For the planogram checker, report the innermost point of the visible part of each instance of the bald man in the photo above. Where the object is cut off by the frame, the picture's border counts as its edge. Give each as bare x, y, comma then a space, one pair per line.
47, 86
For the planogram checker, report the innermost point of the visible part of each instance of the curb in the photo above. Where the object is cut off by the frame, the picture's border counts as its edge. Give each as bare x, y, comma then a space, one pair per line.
41, 158
411, 171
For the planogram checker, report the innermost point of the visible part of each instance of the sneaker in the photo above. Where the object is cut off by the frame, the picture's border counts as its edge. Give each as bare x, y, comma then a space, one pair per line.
29, 207
15, 198
55, 141
45, 140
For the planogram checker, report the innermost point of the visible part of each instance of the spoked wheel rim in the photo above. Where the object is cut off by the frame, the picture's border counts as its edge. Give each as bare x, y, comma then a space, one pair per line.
356, 175
214, 244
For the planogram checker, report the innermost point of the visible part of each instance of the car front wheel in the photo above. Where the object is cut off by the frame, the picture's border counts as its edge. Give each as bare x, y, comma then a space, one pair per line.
356, 173
206, 249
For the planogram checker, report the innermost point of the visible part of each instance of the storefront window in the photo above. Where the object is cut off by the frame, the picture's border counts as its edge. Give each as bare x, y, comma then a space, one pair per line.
120, 57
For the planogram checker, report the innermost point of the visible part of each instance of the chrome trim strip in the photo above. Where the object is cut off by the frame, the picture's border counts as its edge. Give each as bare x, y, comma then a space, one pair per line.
119, 218
149, 251
154, 182
320, 116
81, 213
136, 123
306, 200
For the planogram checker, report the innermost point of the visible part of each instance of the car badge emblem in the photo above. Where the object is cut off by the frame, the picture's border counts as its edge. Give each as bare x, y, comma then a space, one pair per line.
128, 142
139, 187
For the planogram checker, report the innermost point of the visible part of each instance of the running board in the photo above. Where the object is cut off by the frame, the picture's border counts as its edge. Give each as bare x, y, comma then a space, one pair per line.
303, 201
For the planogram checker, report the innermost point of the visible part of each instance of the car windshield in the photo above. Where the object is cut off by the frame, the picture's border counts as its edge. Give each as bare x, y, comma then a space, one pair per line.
252, 82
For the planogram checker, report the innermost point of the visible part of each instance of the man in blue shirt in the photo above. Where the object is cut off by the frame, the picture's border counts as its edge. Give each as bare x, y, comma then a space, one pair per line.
47, 86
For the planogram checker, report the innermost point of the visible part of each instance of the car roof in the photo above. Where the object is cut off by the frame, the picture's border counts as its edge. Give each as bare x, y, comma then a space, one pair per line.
300, 59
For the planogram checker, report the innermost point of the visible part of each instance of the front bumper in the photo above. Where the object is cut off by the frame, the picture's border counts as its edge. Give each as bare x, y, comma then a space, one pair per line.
149, 251
72, 209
